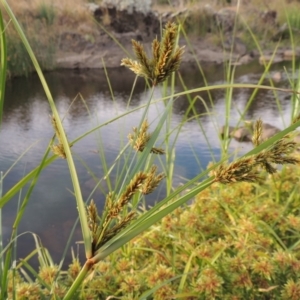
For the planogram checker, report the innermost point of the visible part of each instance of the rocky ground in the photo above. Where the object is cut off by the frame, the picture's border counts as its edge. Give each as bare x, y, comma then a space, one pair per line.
106, 52
107, 44
80, 35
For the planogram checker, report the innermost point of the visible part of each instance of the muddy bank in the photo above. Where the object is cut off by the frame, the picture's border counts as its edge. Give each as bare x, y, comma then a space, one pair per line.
85, 35
107, 44
109, 54
106, 52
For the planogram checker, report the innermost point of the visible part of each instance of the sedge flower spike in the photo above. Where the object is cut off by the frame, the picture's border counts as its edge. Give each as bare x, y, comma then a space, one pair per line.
166, 57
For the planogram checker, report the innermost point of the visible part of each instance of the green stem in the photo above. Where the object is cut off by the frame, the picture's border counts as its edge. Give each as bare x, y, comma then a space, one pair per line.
3, 62
78, 281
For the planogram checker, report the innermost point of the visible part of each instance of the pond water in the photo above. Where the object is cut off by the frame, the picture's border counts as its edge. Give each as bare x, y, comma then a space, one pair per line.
26, 131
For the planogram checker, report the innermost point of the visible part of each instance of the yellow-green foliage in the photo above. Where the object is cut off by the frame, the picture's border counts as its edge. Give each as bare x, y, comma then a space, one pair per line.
241, 239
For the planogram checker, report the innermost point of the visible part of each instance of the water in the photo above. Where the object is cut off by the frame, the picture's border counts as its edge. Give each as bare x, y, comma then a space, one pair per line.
26, 131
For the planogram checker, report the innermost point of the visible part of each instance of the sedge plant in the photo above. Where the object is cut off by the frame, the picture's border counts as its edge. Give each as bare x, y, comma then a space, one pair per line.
118, 224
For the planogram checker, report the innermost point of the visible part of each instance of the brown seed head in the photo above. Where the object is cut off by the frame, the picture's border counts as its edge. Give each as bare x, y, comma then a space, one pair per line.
166, 57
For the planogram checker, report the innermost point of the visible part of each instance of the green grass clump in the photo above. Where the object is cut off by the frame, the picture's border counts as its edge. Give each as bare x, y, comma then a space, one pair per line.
18, 60
293, 17
46, 12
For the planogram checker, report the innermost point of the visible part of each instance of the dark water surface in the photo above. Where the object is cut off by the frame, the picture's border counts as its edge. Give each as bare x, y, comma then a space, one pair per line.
26, 131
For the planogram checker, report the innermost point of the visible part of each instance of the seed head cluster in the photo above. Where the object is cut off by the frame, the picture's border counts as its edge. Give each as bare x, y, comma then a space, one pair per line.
58, 149
140, 138
113, 219
166, 57
247, 168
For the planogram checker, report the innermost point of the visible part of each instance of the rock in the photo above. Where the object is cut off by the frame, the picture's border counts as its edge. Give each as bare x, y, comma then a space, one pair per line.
178, 13
241, 134
240, 47
236, 44
244, 133
269, 17
267, 130
92, 7
120, 20
246, 59
179, 3
289, 55
225, 18
73, 39
282, 33
209, 10
276, 76
264, 59
130, 6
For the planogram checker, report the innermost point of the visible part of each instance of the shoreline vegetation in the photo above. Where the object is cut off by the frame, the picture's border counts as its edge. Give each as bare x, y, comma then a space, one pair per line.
237, 239
87, 35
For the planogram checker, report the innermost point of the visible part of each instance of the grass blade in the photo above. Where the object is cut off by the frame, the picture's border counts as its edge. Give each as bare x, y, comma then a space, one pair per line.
3, 63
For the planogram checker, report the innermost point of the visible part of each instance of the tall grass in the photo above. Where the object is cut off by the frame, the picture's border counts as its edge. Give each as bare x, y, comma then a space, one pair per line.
121, 221
46, 13
42, 22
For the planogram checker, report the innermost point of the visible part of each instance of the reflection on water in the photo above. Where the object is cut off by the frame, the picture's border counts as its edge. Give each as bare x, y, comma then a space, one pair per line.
26, 132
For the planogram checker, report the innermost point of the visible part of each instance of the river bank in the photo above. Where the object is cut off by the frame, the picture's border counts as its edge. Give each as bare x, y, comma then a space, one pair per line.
91, 36
107, 53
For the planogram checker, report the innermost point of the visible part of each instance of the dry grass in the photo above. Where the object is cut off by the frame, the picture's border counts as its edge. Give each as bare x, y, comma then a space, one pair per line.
46, 24
62, 7
67, 12
66, 25
70, 13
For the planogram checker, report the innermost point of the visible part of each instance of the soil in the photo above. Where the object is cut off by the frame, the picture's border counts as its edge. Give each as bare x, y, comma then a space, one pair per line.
106, 52
107, 45
100, 47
